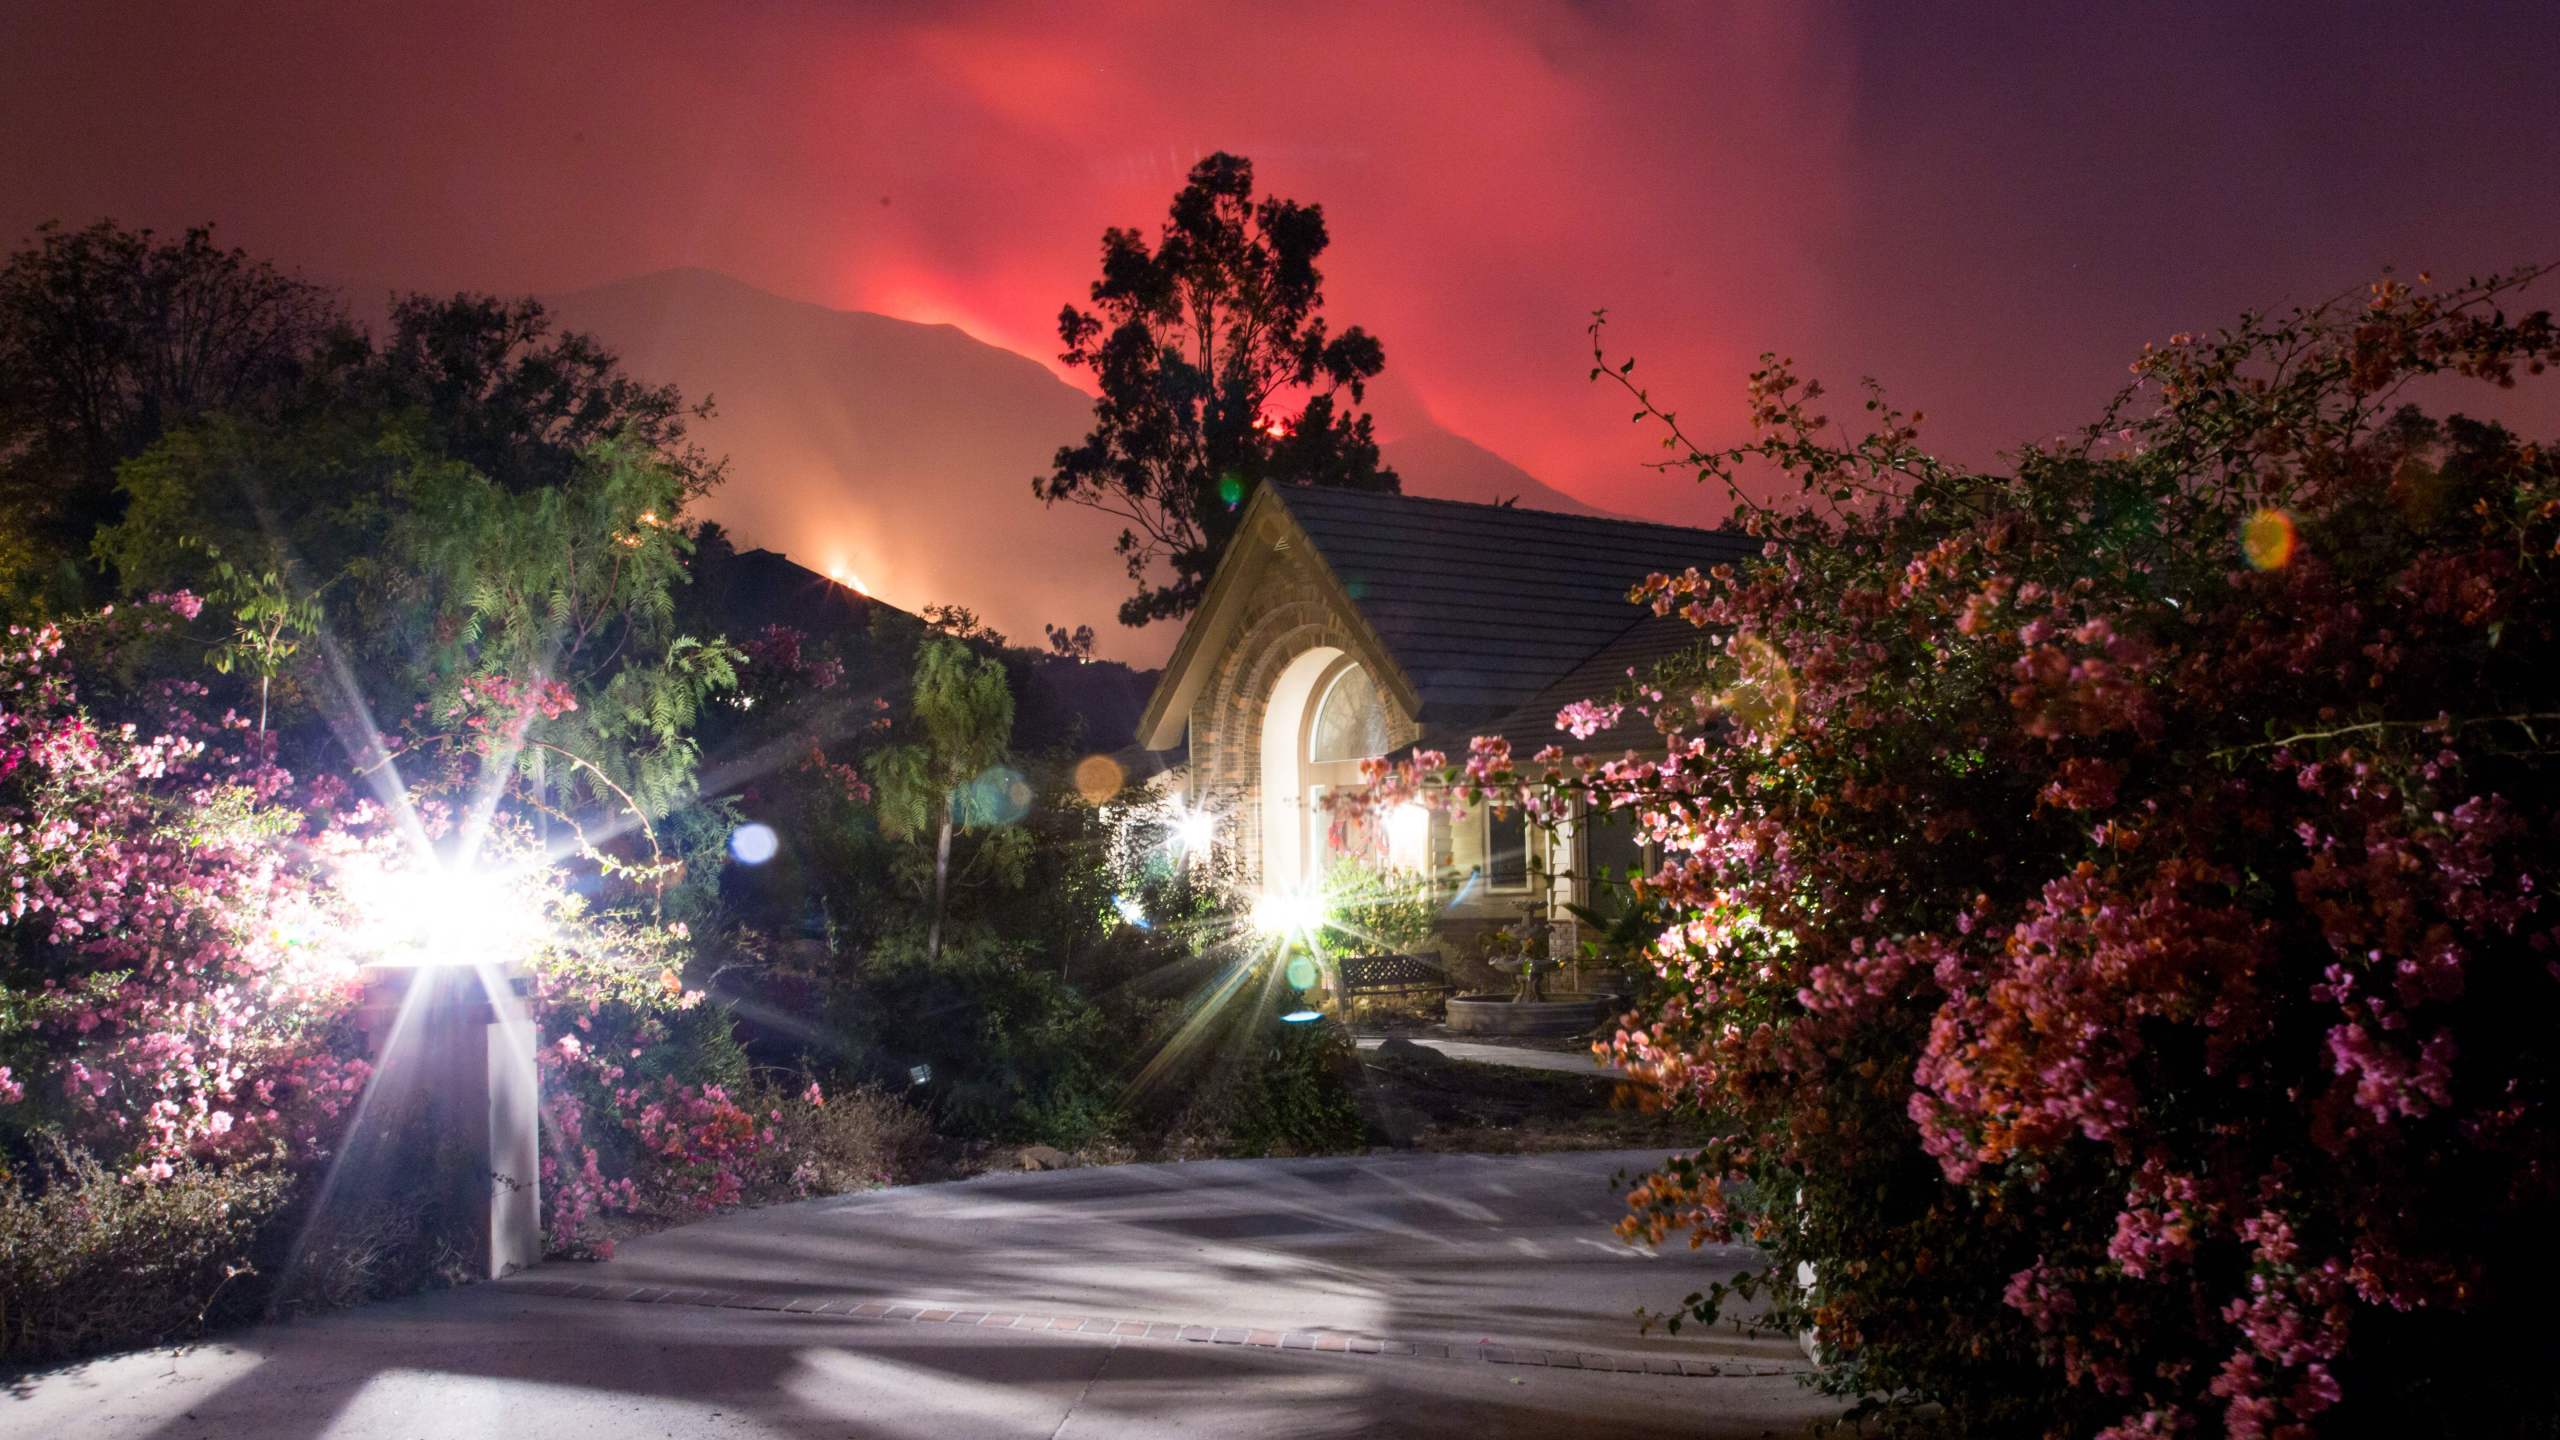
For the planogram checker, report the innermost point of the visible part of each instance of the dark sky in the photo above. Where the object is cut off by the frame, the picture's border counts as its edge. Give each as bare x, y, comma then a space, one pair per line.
1988, 206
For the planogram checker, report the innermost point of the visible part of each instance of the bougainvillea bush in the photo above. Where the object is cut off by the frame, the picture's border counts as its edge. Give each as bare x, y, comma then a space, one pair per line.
2115, 970
167, 997
182, 933
170, 1037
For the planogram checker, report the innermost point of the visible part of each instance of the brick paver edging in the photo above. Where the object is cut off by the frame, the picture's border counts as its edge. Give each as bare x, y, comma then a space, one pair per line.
1333, 1342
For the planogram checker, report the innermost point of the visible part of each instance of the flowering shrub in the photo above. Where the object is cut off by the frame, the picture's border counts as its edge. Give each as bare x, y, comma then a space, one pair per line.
164, 997
180, 943
2113, 952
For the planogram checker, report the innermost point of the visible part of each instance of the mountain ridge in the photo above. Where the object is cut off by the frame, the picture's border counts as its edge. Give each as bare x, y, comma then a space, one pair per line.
900, 453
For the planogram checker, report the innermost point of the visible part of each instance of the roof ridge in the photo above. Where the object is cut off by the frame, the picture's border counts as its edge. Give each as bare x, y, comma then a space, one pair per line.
1289, 492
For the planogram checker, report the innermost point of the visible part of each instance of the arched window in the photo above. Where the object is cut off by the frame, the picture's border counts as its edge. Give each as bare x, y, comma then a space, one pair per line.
1350, 721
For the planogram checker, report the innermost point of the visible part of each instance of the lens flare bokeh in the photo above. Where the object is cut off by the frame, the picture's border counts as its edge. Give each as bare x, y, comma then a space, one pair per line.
754, 843
1762, 698
1098, 779
2268, 539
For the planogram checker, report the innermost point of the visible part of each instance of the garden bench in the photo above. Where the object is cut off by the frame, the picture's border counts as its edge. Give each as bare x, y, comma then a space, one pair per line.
1363, 975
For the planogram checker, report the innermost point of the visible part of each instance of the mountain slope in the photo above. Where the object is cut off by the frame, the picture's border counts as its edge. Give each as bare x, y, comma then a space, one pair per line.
902, 454
1448, 466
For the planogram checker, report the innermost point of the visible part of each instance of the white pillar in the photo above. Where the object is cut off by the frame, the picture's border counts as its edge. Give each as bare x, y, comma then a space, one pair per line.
514, 1144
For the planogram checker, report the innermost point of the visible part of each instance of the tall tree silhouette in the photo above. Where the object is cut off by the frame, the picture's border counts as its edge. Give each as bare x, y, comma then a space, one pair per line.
1218, 376
110, 338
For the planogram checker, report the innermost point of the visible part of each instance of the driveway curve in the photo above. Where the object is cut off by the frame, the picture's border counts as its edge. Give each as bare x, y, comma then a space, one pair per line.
1387, 1295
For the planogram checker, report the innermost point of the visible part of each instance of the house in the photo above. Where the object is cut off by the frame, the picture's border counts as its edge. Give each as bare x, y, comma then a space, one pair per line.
1342, 626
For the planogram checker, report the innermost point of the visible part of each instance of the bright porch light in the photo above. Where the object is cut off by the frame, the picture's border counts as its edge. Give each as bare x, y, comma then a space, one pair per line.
1193, 831
1276, 913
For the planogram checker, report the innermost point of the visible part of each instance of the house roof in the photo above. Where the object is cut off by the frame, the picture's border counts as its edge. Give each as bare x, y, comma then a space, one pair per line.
1603, 673
1477, 610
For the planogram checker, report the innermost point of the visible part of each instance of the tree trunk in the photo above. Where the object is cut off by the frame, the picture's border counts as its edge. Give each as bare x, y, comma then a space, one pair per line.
941, 885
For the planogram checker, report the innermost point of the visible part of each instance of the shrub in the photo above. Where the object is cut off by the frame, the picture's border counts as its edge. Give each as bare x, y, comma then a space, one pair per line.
165, 990
853, 1140
1009, 1052
2112, 948
89, 1260
1252, 1084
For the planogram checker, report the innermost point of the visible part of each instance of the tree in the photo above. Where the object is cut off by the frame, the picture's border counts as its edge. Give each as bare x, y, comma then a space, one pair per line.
109, 338
496, 512
1202, 345
1066, 644
302, 482
541, 623
950, 777
503, 392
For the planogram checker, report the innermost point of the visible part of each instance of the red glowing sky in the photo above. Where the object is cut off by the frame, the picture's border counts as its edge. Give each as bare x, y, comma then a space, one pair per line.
1991, 209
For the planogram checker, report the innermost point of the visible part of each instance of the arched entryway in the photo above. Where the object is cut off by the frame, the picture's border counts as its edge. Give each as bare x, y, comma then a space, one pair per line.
1324, 717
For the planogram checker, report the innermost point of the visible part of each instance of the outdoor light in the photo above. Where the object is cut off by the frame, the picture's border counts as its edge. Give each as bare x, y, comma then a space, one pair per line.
442, 948
1408, 836
1301, 1017
435, 914
1277, 913
1194, 830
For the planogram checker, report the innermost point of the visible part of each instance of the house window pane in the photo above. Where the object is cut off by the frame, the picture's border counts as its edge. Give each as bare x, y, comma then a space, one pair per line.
1351, 723
1507, 859
1614, 846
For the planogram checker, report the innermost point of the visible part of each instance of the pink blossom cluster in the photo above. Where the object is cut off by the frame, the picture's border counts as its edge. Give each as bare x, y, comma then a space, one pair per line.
167, 914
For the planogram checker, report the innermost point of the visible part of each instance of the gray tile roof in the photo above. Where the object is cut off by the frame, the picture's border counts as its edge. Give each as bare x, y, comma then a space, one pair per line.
1600, 676
1486, 609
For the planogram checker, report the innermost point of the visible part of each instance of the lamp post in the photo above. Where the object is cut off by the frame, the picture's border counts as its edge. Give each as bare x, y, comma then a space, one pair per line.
445, 1004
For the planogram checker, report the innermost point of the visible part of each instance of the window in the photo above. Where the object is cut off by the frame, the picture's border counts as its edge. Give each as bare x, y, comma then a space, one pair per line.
1351, 722
1614, 846
1506, 861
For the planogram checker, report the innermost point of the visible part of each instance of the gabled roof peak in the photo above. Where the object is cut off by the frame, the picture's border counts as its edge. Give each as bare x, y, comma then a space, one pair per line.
1478, 608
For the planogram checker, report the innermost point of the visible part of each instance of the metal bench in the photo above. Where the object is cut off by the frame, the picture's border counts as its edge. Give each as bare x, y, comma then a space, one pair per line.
1365, 975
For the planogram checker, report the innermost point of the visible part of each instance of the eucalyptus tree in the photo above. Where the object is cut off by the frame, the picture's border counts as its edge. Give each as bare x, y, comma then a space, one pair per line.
1218, 374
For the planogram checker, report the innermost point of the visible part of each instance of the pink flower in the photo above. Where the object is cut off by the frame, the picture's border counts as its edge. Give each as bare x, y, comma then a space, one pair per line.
1587, 718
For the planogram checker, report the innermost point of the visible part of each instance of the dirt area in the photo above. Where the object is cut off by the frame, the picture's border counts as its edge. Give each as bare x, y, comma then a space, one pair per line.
1424, 1101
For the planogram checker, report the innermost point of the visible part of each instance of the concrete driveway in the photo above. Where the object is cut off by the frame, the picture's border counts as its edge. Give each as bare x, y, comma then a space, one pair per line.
1392, 1295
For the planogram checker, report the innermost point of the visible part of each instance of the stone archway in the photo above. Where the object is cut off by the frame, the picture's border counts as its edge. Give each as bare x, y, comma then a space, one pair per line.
1287, 847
